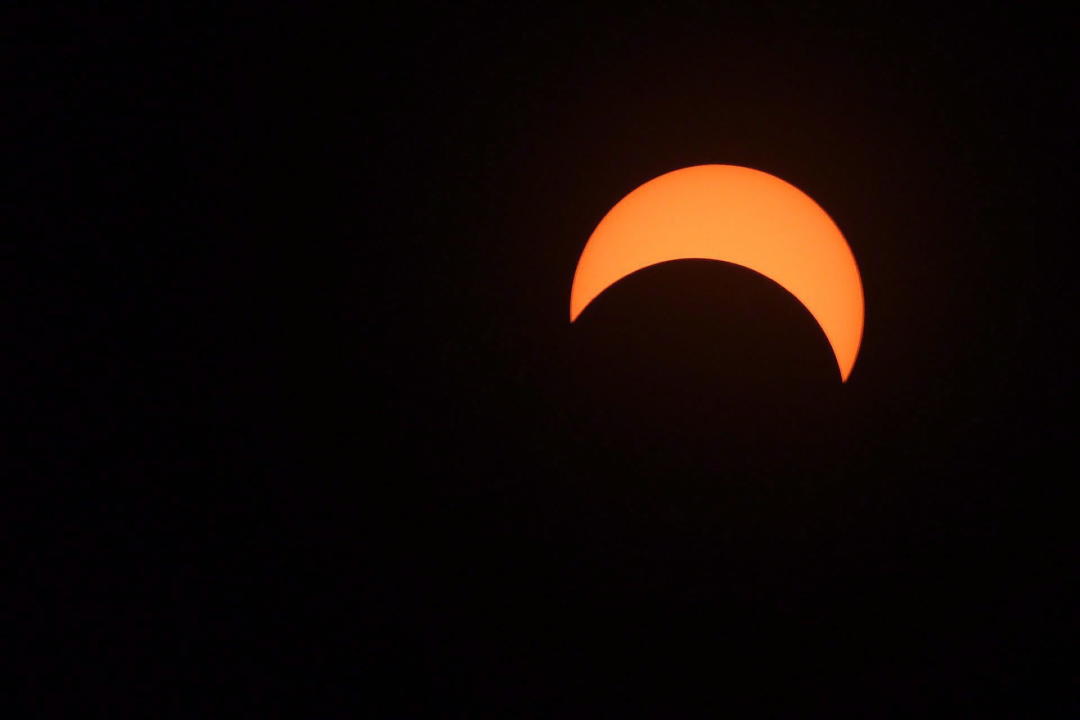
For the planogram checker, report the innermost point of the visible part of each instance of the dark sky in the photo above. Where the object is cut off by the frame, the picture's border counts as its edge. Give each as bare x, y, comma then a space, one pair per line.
302, 428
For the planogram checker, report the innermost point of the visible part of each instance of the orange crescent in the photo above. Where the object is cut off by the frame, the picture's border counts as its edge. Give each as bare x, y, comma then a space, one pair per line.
737, 215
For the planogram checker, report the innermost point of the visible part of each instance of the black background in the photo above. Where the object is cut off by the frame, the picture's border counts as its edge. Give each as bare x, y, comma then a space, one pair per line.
302, 428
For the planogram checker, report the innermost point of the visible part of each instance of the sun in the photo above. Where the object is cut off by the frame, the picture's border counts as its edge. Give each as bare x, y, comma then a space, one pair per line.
737, 215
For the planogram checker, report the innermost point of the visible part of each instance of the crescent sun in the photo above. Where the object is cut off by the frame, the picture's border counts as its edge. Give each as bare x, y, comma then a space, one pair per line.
737, 215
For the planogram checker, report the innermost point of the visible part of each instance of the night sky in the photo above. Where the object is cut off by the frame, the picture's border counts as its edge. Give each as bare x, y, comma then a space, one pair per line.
302, 428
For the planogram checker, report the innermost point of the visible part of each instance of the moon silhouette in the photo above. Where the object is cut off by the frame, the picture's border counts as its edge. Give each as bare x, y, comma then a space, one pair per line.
737, 215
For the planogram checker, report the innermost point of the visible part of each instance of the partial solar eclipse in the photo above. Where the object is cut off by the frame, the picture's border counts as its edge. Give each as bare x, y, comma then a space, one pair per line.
737, 215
